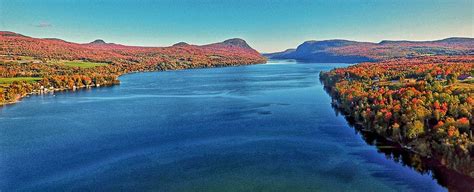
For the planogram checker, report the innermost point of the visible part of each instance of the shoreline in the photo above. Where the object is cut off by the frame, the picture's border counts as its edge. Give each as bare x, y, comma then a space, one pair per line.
433, 162
441, 172
42, 92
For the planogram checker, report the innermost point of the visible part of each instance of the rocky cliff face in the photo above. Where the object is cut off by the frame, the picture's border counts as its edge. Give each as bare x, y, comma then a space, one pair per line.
237, 42
98, 41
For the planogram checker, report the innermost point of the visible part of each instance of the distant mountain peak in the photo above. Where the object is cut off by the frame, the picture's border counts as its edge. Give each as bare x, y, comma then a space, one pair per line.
98, 41
181, 44
237, 42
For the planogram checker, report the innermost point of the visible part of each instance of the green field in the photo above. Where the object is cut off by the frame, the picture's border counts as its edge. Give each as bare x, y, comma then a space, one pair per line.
12, 79
83, 64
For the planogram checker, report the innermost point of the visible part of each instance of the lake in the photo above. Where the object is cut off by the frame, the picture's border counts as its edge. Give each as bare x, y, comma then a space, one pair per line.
266, 127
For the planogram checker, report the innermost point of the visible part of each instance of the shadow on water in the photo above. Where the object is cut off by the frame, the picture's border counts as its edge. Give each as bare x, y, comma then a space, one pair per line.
452, 180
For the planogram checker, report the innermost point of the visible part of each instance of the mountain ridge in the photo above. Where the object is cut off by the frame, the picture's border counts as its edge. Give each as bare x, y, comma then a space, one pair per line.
230, 50
98, 41
348, 51
237, 42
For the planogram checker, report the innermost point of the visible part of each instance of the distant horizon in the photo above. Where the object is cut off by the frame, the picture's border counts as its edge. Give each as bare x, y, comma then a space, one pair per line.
250, 43
268, 25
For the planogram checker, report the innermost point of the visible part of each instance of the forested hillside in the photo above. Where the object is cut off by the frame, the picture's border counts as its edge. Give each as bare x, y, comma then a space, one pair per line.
426, 104
30, 65
344, 51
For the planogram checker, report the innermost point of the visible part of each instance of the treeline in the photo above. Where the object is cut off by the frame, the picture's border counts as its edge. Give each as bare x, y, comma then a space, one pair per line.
56, 77
52, 77
426, 104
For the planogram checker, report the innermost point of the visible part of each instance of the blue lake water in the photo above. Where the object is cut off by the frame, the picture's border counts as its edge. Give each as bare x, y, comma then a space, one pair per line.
266, 127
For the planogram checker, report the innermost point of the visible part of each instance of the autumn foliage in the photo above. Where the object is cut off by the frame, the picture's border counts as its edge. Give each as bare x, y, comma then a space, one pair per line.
48, 54
424, 103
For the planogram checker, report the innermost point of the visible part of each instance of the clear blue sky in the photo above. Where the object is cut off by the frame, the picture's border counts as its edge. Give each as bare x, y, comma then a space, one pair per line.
267, 25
